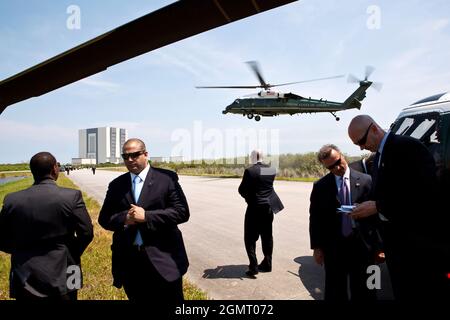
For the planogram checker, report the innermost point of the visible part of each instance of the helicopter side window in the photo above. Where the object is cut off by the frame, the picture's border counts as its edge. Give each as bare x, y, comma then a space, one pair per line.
424, 127
402, 126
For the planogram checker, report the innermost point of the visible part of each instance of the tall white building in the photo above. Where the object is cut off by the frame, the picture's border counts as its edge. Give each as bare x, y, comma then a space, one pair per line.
100, 145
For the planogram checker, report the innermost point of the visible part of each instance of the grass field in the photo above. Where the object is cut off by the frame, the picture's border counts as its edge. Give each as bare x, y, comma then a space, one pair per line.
6, 174
96, 260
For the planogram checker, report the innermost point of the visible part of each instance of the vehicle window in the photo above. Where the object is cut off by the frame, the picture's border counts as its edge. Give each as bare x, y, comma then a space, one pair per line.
422, 128
403, 125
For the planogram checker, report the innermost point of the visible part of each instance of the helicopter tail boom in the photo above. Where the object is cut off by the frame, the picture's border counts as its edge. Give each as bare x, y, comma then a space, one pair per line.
354, 100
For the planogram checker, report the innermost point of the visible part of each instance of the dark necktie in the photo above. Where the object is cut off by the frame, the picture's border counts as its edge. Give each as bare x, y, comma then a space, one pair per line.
344, 198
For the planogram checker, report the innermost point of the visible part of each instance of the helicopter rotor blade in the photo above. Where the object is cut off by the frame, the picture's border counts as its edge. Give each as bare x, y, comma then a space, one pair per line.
318, 79
257, 70
377, 86
228, 87
369, 71
352, 79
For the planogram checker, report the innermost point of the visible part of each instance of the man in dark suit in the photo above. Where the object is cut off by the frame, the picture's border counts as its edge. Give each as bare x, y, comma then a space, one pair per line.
404, 189
364, 165
262, 202
342, 246
45, 228
143, 207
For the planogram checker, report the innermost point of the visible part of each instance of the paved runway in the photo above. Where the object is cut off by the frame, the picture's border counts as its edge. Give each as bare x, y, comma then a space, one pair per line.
215, 244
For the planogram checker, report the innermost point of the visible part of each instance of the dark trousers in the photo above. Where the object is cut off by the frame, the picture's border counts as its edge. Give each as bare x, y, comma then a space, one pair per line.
347, 261
144, 283
258, 222
22, 294
414, 266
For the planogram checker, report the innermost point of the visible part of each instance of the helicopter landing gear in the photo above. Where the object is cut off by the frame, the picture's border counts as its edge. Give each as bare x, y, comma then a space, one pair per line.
337, 118
257, 118
250, 115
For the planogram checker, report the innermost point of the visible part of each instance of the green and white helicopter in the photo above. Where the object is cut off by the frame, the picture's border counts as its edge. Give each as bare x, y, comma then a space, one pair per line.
268, 103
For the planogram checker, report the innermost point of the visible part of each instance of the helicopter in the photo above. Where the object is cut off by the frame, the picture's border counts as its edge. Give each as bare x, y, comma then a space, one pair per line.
269, 103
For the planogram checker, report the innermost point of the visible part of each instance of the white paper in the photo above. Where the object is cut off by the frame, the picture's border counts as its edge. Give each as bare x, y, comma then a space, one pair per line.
346, 208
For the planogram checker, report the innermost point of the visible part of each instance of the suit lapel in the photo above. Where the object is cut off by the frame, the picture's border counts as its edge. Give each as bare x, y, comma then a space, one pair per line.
333, 187
378, 169
354, 184
129, 194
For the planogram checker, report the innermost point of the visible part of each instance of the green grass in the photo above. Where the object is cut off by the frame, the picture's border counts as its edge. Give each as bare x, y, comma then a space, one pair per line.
297, 179
96, 260
14, 174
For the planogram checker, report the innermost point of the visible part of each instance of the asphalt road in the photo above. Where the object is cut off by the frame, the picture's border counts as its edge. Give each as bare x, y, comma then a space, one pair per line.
215, 244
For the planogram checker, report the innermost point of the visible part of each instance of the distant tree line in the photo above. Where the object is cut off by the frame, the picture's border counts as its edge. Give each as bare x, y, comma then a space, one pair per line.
14, 167
289, 165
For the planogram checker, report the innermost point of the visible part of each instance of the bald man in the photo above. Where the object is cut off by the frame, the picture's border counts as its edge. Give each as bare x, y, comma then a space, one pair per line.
262, 202
404, 188
144, 208
46, 229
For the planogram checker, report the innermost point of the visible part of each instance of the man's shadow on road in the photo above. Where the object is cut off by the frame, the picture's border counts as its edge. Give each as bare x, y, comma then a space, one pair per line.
236, 271
312, 276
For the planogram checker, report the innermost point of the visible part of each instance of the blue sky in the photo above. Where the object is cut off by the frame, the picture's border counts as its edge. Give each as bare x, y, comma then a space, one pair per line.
153, 95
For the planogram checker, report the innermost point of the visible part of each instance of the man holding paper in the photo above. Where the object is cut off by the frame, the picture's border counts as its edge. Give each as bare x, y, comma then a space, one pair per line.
339, 242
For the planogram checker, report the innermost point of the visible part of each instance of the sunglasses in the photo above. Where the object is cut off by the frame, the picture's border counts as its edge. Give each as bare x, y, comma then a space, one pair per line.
363, 140
133, 155
334, 165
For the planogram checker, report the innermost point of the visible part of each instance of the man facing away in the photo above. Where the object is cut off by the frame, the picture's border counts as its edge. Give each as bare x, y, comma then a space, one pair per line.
46, 229
262, 202
342, 246
144, 207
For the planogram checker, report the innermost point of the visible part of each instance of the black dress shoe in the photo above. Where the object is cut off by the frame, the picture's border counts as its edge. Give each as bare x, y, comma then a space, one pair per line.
264, 268
251, 273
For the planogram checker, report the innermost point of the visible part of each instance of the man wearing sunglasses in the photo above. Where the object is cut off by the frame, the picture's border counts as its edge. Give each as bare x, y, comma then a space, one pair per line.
339, 244
144, 207
404, 189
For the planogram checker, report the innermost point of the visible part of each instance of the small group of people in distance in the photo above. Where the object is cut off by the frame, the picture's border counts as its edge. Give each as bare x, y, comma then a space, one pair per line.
46, 228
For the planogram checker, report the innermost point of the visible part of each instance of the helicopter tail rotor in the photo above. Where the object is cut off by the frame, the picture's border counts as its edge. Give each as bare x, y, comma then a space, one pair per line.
368, 72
